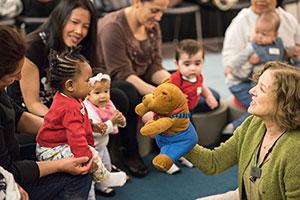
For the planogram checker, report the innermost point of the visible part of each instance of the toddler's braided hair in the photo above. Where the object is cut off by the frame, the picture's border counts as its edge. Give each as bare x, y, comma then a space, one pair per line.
64, 66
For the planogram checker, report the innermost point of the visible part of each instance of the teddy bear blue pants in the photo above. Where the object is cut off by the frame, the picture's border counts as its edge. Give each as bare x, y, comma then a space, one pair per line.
177, 145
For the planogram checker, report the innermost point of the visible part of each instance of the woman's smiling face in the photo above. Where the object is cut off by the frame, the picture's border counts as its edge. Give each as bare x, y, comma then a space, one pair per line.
76, 27
263, 102
150, 12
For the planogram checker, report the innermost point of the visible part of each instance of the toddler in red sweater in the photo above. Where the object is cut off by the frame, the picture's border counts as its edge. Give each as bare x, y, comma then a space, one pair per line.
67, 130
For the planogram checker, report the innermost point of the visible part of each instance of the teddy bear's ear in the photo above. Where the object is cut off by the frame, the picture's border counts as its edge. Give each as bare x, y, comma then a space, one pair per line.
166, 80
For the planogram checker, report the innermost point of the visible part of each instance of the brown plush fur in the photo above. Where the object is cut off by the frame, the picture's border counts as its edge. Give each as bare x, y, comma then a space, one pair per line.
165, 100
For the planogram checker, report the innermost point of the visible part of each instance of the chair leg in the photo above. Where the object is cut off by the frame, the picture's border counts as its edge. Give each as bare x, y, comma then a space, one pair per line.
177, 28
198, 25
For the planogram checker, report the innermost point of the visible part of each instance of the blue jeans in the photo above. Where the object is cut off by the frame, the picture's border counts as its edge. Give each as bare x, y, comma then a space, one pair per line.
241, 92
236, 123
60, 186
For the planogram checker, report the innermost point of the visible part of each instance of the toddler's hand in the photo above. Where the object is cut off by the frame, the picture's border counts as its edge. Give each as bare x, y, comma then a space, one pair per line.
99, 128
211, 101
122, 121
117, 118
297, 50
227, 71
293, 51
254, 59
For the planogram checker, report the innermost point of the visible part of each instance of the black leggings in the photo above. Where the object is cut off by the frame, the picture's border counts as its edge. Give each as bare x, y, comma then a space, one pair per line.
125, 97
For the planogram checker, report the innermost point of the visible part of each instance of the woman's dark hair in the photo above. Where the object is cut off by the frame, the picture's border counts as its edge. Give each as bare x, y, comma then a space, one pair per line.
64, 66
286, 92
54, 26
12, 50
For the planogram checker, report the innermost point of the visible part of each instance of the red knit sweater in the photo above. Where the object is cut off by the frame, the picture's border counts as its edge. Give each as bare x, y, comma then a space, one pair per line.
188, 88
67, 122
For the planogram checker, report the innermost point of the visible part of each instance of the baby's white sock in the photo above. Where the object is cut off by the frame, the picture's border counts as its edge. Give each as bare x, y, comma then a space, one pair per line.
114, 179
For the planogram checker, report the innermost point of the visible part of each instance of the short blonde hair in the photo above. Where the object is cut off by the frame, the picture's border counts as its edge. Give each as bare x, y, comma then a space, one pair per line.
287, 93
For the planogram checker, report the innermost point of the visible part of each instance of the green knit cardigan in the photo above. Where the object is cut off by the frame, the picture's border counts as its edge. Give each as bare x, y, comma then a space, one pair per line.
282, 180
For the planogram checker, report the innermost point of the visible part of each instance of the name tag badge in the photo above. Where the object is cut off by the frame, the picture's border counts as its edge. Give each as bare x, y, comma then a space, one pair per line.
199, 90
274, 51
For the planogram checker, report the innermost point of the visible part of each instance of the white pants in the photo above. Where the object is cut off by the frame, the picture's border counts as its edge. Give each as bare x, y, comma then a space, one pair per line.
104, 155
64, 151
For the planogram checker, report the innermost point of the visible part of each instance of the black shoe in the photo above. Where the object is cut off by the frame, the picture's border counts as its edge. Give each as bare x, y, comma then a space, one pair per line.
114, 168
137, 172
107, 192
136, 166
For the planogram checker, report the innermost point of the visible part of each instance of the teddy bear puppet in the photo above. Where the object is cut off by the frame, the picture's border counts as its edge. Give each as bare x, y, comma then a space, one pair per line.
174, 133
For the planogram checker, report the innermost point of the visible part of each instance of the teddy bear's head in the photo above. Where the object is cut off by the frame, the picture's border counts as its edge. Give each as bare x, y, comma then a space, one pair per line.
164, 100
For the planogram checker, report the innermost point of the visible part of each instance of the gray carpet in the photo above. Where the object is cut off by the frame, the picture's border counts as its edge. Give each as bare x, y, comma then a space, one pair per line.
189, 184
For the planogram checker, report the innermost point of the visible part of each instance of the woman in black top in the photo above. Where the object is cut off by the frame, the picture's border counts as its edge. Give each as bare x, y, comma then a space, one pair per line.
60, 179
71, 24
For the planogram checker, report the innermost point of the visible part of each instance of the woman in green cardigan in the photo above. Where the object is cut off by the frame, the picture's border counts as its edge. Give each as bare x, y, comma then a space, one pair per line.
266, 146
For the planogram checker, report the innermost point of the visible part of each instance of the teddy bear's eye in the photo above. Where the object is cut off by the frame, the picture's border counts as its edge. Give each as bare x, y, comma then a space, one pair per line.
164, 93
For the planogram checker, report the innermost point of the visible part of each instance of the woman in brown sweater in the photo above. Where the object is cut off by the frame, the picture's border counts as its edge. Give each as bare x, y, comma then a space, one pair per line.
129, 49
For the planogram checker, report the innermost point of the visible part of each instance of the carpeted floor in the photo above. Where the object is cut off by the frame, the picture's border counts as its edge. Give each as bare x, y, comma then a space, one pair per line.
189, 184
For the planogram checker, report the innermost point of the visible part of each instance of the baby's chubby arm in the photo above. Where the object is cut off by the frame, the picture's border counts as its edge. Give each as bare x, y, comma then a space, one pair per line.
209, 97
